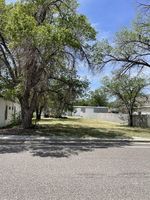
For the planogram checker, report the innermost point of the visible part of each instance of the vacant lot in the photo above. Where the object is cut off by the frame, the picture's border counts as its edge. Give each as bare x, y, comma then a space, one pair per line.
90, 128
80, 128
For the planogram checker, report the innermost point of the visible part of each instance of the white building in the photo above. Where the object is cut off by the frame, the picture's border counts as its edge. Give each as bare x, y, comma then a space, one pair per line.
88, 111
7, 110
101, 113
145, 108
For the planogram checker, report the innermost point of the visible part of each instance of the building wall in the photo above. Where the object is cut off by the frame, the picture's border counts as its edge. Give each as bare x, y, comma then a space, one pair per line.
7, 110
88, 112
144, 109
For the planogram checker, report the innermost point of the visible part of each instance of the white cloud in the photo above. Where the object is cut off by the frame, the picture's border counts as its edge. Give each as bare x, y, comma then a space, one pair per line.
95, 78
102, 34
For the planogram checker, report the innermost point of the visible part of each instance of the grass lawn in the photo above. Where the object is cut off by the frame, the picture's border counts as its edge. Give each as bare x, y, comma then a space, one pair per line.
80, 128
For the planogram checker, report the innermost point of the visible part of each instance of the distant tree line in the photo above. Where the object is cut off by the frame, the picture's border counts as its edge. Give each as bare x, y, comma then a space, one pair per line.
97, 97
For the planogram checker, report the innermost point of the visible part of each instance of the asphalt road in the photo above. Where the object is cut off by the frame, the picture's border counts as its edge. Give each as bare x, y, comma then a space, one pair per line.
68, 172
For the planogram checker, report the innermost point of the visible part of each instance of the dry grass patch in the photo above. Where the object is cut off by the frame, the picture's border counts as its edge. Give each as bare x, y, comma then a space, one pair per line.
73, 127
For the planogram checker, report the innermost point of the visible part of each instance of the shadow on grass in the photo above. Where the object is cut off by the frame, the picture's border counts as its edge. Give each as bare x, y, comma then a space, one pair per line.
56, 149
60, 119
66, 131
76, 131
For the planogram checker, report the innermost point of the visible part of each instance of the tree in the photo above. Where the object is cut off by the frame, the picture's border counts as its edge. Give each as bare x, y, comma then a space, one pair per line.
36, 39
98, 98
64, 93
131, 47
41, 102
128, 90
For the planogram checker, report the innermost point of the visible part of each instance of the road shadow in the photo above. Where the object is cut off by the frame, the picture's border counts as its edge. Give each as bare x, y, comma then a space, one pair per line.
57, 149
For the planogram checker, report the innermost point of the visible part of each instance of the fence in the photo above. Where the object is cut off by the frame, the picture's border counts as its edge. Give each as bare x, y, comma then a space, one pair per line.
141, 120
111, 117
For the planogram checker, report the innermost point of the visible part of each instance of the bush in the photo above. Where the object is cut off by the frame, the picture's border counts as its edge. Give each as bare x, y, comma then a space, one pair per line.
16, 119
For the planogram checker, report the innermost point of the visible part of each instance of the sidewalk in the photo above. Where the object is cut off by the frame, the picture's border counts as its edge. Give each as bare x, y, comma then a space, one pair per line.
72, 140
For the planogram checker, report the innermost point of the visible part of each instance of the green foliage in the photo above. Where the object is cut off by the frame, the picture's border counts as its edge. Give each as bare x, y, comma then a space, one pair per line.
26, 27
19, 25
128, 91
99, 52
98, 98
16, 119
2, 5
64, 93
128, 87
94, 98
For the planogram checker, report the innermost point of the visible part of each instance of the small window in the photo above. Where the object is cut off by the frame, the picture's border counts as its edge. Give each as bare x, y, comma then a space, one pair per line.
100, 110
9, 107
12, 108
83, 110
97, 110
6, 112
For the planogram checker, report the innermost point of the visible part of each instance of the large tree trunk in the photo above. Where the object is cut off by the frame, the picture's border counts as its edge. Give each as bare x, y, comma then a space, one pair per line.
27, 118
130, 120
27, 109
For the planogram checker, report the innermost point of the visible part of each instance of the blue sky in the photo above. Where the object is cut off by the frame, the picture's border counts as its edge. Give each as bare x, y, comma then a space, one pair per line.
108, 17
